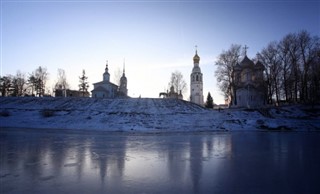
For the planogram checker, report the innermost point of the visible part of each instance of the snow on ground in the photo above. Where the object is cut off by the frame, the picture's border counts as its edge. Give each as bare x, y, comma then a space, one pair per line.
148, 115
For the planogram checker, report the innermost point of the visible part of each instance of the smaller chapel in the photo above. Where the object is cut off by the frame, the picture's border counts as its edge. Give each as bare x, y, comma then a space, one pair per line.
107, 89
171, 94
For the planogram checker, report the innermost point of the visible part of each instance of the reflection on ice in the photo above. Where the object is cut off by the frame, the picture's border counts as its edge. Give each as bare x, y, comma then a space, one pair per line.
46, 162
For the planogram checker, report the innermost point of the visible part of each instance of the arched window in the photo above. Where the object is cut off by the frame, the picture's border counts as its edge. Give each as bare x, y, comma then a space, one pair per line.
197, 78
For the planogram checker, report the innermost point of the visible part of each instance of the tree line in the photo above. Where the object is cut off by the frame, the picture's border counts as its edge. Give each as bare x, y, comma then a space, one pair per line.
35, 83
292, 69
21, 85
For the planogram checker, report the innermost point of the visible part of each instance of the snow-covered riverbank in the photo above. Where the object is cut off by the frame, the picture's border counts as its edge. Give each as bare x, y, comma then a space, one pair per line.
147, 115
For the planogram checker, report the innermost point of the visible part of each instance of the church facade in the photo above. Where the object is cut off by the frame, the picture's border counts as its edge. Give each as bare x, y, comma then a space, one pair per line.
107, 89
196, 82
250, 87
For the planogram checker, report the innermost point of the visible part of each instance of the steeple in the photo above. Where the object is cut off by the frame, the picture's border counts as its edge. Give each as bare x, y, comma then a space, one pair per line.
123, 91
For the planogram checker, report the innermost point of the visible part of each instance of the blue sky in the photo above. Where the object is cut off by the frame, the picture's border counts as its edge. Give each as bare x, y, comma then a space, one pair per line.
155, 37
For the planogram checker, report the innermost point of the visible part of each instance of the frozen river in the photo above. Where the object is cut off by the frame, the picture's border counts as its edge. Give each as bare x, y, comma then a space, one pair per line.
83, 162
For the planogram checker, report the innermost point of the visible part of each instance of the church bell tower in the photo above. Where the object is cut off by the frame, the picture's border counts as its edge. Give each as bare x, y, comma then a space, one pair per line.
123, 83
196, 82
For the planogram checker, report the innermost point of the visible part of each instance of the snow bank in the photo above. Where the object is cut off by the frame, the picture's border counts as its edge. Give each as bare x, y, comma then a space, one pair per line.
144, 114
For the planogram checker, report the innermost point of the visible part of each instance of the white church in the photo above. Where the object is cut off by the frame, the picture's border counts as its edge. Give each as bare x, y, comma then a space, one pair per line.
196, 82
107, 89
249, 86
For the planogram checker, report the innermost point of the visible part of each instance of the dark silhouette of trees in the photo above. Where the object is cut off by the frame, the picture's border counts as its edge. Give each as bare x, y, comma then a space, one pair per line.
84, 85
19, 84
13, 85
37, 81
308, 47
270, 57
209, 102
5, 85
292, 68
224, 73
32, 83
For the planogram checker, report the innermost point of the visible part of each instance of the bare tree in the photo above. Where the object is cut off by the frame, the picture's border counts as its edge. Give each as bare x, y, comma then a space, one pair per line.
292, 68
84, 85
224, 73
32, 83
177, 81
308, 47
271, 60
117, 76
315, 81
19, 84
61, 83
294, 63
37, 80
5, 85
286, 83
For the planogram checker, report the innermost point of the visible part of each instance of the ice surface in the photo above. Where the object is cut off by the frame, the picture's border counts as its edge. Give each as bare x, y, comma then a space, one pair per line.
34, 161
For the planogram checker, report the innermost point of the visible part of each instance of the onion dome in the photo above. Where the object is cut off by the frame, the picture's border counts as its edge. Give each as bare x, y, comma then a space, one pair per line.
246, 63
196, 58
259, 65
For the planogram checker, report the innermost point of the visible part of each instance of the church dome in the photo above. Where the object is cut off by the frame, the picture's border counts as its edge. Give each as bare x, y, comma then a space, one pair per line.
123, 77
259, 65
196, 58
246, 63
